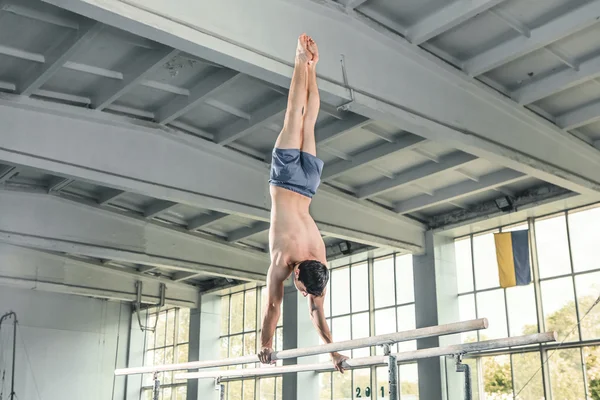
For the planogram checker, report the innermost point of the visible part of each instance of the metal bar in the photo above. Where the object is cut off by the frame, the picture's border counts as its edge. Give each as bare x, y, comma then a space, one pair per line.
393, 377
376, 360
457, 327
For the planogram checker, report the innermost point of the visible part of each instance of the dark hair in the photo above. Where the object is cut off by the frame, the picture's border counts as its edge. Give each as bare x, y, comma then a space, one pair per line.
314, 275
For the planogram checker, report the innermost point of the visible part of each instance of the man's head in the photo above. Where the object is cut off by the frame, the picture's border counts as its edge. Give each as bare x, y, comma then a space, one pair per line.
311, 277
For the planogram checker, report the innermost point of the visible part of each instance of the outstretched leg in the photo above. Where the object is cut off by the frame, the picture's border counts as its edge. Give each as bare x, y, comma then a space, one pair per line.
313, 103
291, 134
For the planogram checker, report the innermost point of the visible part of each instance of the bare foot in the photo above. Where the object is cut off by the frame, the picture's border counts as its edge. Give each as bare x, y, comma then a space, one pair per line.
314, 50
303, 55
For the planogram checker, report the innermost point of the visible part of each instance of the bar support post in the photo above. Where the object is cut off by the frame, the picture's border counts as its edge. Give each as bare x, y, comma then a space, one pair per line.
392, 363
466, 369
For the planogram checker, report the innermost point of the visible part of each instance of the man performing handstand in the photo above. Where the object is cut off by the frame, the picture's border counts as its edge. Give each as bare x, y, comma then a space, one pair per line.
296, 245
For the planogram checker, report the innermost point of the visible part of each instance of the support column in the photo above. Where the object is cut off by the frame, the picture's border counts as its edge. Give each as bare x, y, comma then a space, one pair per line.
298, 331
205, 323
436, 303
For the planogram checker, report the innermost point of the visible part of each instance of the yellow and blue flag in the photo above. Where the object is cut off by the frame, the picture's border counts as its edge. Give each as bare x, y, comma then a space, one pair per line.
512, 252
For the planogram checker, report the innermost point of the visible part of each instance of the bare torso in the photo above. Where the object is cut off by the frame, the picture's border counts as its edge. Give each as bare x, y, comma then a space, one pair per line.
294, 236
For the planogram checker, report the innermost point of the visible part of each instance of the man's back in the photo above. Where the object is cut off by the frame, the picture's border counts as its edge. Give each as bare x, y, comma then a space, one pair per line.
294, 236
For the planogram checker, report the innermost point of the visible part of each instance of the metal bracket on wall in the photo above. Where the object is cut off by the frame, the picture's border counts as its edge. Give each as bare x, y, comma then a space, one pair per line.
346, 106
138, 306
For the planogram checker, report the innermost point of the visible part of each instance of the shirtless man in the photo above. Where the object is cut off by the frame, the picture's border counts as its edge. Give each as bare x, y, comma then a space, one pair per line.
296, 245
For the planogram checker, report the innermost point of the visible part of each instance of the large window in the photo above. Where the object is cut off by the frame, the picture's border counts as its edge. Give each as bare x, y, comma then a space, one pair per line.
168, 344
366, 299
241, 314
566, 273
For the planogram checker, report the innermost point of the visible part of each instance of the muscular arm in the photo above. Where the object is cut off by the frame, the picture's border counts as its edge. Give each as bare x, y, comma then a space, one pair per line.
272, 310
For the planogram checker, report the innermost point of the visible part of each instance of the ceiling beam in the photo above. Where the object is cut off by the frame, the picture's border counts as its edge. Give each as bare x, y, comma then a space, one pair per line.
242, 128
458, 191
352, 4
204, 220
562, 26
579, 117
58, 184
133, 74
40, 12
181, 276
557, 82
412, 175
158, 207
109, 195
494, 129
199, 93
8, 173
511, 21
59, 55
371, 155
447, 18
243, 233
332, 130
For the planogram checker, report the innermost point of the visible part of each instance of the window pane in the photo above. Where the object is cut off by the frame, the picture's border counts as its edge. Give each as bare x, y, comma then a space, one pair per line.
464, 265
360, 287
566, 375
552, 246
248, 389
341, 331
237, 313
362, 383
524, 367
409, 381
522, 314
406, 321
224, 347
342, 386
584, 229
385, 322
235, 346
267, 389
249, 343
171, 327
327, 302
279, 339
167, 394
183, 335
182, 353
325, 386
181, 393
592, 370
234, 390
405, 291
250, 311
278, 388
149, 334
161, 327
466, 311
588, 290
520, 227
497, 380
486, 264
491, 305
340, 291
383, 386
384, 282
559, 307
360, 329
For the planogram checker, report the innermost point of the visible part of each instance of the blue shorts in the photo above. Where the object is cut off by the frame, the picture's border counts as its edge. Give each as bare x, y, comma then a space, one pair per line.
296, 170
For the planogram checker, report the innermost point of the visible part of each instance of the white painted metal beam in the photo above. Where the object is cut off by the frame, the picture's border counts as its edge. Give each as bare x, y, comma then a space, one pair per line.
109, 195
158, 207
204, 220
58, 184
183, 276
562, 80
447, 18
133, 74
46, 271
459, 190
564, 25
447, 163
56, 58
511, 21
493, 129
242, 128
243, 233
580, 117
8, 173
40, 12
120, 236
352, 3
92, 133
331, 131
198, 94
369, 156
